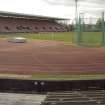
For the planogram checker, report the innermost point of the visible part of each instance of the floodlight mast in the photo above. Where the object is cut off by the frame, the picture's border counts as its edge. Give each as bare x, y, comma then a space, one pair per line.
77, 21
76, 9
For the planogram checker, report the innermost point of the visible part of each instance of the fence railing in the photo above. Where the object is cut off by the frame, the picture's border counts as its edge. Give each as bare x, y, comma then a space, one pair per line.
90, 31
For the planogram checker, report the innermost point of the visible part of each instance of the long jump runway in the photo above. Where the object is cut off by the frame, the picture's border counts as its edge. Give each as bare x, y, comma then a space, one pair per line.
52, 57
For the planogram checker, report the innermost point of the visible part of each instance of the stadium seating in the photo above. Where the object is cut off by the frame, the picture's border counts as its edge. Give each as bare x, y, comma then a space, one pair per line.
71, 103
75, 98
29, 25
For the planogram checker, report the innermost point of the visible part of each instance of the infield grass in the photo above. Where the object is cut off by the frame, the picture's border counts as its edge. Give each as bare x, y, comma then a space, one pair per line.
64, 36
86, 38
91, 38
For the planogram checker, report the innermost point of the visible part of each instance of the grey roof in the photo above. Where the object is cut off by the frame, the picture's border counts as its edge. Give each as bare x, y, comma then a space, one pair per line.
28, 16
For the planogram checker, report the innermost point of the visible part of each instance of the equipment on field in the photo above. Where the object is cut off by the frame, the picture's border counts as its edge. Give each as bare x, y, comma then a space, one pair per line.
17, 40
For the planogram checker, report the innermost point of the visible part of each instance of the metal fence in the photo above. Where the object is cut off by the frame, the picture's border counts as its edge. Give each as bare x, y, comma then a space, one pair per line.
90, 31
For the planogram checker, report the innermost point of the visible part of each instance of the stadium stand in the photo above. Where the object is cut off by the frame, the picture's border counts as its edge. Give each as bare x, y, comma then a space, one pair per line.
75, 98
11, 22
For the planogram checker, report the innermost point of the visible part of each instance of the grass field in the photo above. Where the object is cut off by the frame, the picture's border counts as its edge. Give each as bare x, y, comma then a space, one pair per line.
69, 77
86, 38
54, 77
65, 36
94, 38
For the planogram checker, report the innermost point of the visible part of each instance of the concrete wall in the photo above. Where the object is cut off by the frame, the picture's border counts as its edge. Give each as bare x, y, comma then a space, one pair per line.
45, 86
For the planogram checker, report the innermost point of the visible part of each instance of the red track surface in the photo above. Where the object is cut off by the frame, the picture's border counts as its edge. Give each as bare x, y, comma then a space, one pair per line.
49, 57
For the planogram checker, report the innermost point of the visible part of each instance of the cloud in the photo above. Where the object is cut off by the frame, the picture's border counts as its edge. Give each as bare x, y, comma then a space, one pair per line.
60, 2
88, 7
54, 8
95, 3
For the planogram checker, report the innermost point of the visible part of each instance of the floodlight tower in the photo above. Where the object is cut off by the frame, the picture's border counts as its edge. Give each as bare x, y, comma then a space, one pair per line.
77, 23
76, 9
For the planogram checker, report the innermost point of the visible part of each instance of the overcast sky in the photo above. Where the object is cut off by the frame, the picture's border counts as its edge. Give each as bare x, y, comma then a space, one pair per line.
54, 8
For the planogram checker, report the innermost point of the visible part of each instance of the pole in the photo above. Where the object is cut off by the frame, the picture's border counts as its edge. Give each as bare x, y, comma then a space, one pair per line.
76, 9
77, 23
103, 30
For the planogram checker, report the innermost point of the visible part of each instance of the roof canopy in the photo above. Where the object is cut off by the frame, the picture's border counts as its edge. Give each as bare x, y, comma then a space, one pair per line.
27, 16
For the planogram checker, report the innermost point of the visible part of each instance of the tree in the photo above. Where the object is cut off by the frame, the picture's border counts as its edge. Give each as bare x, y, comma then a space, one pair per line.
99, 23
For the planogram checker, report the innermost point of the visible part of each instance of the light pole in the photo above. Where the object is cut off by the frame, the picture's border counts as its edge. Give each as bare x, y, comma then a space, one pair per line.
76, 9
77, 23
